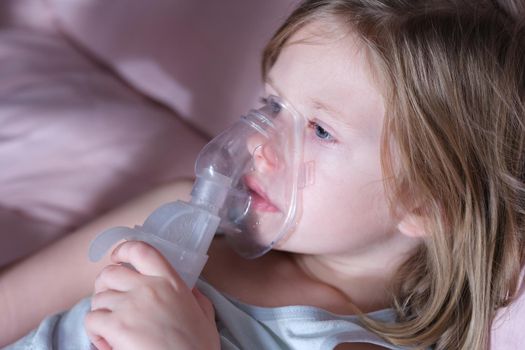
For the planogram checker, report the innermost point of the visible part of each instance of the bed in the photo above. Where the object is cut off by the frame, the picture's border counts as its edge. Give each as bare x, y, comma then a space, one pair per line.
101, 101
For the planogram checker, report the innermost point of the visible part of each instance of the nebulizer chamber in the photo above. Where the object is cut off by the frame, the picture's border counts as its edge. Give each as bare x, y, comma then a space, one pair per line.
220, 198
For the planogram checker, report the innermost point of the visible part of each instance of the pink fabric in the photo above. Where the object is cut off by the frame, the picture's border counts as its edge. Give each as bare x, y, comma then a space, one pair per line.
74, 141
201, 58
28, 14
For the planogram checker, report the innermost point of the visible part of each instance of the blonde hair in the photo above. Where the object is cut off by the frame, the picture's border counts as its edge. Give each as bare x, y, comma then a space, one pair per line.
453, 78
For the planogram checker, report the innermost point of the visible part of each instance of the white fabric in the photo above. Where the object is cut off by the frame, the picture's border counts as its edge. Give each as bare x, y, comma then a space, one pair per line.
240, 326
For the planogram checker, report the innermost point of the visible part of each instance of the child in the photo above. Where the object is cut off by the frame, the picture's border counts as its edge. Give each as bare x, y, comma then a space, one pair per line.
413, 225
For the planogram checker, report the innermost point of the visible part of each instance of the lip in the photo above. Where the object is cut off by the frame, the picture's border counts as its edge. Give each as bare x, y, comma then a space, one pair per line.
260, 200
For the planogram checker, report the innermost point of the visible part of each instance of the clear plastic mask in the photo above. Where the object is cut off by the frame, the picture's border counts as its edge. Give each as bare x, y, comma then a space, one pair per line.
263, 156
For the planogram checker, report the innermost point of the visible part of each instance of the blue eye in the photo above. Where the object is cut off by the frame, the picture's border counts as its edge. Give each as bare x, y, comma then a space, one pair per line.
320, 132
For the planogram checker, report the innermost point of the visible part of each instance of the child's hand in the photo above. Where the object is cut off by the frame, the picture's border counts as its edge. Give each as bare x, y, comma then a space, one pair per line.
150, 308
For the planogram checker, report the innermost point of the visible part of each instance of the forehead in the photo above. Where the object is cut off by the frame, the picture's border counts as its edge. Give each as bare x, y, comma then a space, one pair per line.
327, 65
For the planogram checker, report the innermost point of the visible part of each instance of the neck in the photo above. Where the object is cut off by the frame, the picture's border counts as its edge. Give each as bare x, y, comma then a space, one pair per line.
364, 279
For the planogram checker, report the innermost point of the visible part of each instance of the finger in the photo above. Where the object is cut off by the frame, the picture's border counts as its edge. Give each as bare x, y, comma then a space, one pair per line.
117, 277
94, 324
205, 304
146, 260
108, 300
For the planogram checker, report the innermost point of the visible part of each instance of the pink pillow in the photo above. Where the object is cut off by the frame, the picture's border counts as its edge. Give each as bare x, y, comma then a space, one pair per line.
201, 58
75, 141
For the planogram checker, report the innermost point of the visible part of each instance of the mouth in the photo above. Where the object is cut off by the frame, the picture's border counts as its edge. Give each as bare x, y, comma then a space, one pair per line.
260, 200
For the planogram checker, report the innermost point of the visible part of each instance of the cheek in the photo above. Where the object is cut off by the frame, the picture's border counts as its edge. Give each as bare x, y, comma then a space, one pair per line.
343, 200
345, 209
354, 182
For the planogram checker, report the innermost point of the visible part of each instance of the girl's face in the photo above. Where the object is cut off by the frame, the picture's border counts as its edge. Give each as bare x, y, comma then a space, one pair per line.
329, 82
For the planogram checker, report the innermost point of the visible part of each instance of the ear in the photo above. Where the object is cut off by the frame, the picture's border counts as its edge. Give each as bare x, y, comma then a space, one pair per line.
412, 225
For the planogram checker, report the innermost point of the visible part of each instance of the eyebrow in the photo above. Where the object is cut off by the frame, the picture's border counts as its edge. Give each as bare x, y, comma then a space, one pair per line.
332, 113
318, 104
269, 81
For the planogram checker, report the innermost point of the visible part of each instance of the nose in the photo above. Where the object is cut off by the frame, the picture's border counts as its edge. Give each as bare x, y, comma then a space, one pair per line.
263, 153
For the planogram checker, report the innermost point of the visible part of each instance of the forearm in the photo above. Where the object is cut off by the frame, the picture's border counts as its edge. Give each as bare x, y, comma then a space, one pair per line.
58, 276
50, 281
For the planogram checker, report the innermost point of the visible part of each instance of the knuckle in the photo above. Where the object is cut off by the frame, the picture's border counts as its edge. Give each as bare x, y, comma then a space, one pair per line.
150, 292
155, 291
105, 273
140, 250
104, 276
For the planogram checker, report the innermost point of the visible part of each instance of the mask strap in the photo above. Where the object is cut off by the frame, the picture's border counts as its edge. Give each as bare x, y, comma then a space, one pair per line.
257, 148
255, 154
306, 174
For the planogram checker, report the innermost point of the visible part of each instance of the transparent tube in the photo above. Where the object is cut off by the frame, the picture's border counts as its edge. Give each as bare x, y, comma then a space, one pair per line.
181, 231
228, 192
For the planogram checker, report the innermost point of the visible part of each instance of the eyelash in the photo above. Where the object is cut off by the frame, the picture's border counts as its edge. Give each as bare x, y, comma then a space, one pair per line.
313, 126
319, 130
